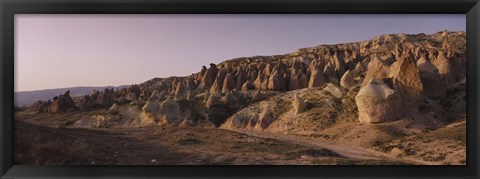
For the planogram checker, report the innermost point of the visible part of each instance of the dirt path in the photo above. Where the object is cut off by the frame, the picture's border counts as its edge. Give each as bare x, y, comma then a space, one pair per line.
346, 151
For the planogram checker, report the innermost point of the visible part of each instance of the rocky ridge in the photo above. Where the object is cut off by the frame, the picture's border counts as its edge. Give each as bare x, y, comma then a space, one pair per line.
414, 68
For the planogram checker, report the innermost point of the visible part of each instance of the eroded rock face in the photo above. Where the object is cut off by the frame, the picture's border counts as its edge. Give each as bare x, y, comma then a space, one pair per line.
86, 103
247, 86
170, 112
63, 103
276, 82
298, 80
444, 68
151, 107
135, 89
298, 105
407, 82
347, 80
69, 103
228, 83
316, 77
181, 93
40, 107
434, 86
241, 77
330, 73
378, 103
376, 69
209, 77
339, 65
217, 85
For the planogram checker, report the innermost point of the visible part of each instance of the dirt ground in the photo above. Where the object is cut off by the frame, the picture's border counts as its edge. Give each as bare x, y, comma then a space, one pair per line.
47, 145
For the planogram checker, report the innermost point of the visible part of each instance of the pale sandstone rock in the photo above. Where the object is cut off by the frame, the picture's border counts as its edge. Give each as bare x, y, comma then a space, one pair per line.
378, 103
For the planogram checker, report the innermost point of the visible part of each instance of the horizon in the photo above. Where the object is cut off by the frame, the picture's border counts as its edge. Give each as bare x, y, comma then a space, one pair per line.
100, 43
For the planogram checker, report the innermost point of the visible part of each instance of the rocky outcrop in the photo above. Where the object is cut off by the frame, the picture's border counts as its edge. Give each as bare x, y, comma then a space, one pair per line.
444, 68
334, 90
241, 77
298, 80
433, 84
40, 107
378, 103
62, 103
135, 90
376, 69
228, 83
408, 83
276, 82
330, 74
298, 105
347, 80
217, 84
316, 77
151, 107
106, 98
213, 100
86, 103
181, 92
169, 112
339, 65
209, 78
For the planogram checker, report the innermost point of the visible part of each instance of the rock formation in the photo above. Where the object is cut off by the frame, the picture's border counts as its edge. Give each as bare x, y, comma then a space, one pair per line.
408, 83
316, 77
347, 80
378, 103
181, 92
298, 104
170, 112
63, 103
433, 84
228, 83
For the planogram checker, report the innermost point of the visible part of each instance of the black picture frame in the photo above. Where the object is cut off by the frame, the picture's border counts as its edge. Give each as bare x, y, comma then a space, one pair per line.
8, 8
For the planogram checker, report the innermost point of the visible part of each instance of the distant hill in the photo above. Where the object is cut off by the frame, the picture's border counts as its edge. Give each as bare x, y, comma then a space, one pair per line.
28, 97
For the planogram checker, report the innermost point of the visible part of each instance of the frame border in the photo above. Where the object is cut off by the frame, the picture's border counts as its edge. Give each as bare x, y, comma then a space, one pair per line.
8, 8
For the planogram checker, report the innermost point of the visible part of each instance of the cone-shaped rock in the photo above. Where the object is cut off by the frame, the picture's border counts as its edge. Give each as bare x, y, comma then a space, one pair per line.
276, 81
376, 69
330, 74
407, 82
228, 83
170, 111
433, 83
209, 77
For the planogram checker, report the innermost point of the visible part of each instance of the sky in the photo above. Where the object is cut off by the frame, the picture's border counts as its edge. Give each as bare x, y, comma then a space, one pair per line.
58, 50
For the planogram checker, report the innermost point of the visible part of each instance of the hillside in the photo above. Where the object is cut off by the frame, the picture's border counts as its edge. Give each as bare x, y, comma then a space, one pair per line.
391, 96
